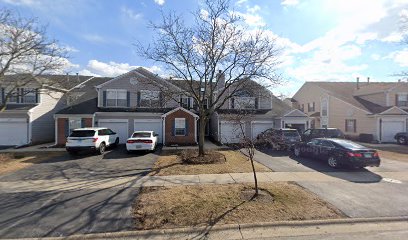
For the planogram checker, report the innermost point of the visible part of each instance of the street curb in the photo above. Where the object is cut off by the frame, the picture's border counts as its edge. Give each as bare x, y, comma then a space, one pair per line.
203, 231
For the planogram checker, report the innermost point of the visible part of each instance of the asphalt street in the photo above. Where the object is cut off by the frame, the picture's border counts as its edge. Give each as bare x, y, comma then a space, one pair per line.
62, 213
377, 197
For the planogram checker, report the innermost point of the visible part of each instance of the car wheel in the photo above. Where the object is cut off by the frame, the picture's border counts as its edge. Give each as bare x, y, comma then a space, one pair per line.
297, 152
402, 140
102, 148
332, 161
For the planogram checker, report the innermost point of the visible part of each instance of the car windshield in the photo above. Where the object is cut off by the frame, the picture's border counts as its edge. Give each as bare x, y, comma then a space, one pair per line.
334, 132
82, 133
290, 134
141, 134
348, 144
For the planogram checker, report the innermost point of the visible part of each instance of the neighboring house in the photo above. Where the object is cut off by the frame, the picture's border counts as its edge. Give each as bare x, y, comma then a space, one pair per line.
137, 100
28, 116
377, 108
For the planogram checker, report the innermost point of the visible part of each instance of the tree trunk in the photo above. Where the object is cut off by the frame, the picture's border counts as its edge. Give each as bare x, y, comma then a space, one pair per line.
201, 137
255, 178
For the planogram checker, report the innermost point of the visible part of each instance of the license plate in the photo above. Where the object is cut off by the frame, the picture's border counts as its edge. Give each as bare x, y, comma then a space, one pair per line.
138, 146
367, 155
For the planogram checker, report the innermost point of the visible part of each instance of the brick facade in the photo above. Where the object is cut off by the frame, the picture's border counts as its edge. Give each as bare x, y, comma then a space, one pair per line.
170, 139
61, 131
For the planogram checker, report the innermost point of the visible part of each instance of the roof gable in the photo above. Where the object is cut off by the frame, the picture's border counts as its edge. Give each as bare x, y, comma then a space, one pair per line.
181, 109
394, 111
295, 113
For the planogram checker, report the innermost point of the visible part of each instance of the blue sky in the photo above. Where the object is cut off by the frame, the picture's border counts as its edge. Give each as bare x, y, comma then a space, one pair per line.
334, 40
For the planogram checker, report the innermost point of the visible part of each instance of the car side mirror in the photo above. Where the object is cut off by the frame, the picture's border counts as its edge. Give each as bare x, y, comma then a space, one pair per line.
156, 135
113, 133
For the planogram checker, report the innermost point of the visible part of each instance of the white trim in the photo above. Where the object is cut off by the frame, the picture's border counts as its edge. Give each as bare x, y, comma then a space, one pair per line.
29, 128
180, 108
128, 114
147, 120
163, 130
82, 83
56, 130
72, 115
261, 122
294, 110
394, 107
113, 120
120, 77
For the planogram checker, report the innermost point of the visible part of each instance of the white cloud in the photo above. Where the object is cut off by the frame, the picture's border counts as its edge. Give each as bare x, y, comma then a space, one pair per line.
70, 49
399, 57
111, 69
254, 9
393, 37
131, 14
94, 38
290, 2
160, 2
375, 56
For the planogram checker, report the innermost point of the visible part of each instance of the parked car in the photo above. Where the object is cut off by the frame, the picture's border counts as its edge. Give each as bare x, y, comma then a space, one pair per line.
311, 133
142, 140
338, 152
279, 139
94, 139
402, 138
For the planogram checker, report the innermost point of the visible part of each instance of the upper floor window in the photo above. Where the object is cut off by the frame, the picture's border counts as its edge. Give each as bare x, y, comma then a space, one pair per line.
185, 102
116, 98
149, 98
311, 107
244, 103
324, 107
402, 99
29, 95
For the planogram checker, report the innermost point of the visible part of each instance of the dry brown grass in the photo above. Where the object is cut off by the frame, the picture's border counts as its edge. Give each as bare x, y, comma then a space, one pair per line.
169, 207
10, 162
235, 163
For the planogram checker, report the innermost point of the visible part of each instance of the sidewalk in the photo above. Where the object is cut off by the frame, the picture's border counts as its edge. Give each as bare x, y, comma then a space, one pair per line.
375, 228
201, 179
35, 148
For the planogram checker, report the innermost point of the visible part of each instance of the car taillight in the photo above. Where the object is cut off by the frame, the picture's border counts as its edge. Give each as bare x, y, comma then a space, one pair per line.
146, 141
95, 139
376, 154
351, 154
131, 141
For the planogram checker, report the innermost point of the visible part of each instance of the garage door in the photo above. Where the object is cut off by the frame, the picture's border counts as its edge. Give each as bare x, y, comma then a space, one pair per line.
230, 132
150, 125
390, 128
13, 131
119, 126
259, 127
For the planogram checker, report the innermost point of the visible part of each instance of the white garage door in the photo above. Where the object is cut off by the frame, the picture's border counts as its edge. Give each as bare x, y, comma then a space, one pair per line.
120, 126
259, 127
13, 131
150, 125
390, 128
231, 133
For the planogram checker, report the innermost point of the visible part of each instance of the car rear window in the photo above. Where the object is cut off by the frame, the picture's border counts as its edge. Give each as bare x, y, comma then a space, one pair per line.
334, 132
290, 134
348, 144
141, 134
83, 133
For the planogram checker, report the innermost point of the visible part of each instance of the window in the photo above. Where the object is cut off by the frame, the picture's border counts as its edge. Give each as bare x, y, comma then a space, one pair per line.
311, 107
402, 99
327, 144
180, 126
141, 135
351, 125
244, 103
74, 123
83, 133
116, 98
29, 95
205, 103
185, 102
149, 98
13, 97
324, 107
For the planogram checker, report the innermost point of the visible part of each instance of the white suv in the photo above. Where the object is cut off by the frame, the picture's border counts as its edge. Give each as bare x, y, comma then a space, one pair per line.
96, 139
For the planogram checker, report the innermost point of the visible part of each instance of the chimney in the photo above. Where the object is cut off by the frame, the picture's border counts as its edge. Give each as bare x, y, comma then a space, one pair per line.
358, 83
77, 74
220, 79
368, 80
399, 80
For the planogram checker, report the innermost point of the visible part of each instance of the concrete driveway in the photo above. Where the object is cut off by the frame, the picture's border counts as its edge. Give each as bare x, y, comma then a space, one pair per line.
369, 192
81, 210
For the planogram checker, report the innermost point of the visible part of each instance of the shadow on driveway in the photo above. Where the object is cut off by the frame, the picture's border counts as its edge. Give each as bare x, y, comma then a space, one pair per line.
286, 158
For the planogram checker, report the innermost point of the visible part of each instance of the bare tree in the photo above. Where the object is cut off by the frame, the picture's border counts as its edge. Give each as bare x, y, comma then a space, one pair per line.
246, 143
25, 53
216, 56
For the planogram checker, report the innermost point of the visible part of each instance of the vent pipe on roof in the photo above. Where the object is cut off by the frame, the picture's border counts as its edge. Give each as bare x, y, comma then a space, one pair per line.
358, 83
77, 74
368, 80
